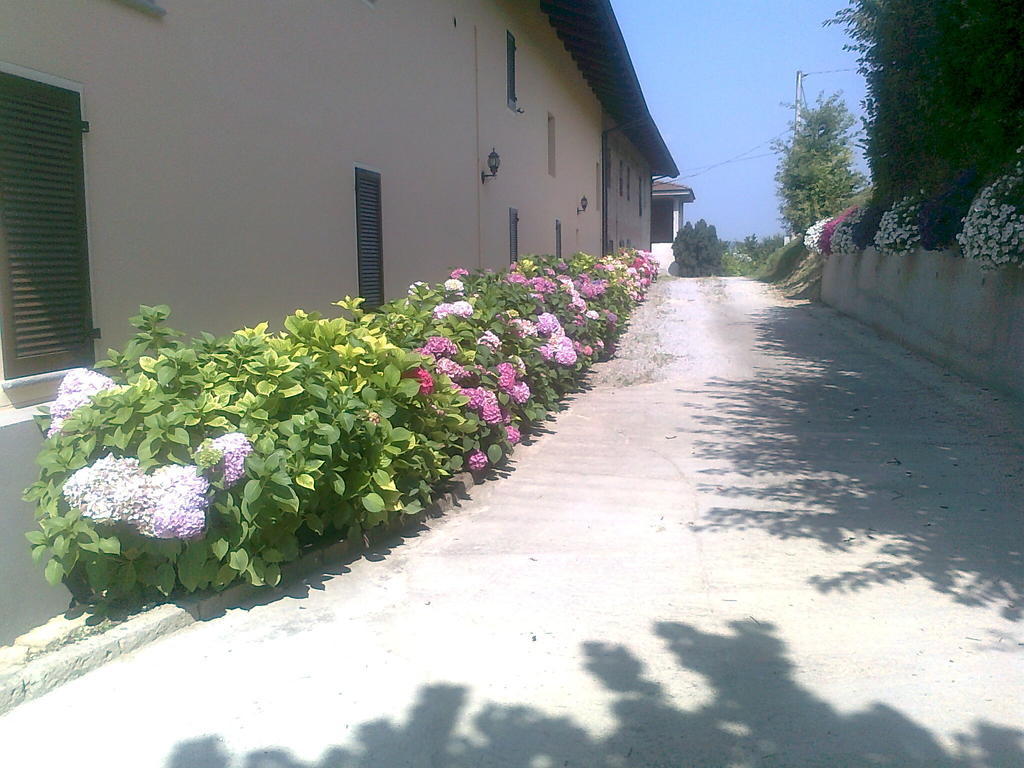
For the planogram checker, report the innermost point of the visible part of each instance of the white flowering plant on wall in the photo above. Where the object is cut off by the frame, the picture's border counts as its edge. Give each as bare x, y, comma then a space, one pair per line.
812, 238
993, 230
842, 236
898, 231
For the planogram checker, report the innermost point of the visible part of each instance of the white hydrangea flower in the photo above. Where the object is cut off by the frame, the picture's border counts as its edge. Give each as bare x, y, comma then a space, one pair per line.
813, 236
842, 237
454, 285
993, 230
898, 233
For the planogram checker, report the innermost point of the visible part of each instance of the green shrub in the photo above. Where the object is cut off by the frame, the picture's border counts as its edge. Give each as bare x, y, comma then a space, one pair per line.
350, 424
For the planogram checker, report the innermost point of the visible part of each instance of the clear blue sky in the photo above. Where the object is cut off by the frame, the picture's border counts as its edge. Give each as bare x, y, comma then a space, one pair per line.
716, 74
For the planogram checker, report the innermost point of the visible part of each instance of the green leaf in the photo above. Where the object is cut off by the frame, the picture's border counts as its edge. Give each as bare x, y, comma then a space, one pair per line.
338, 484
295, 389
165, 374
392, 375
190, 567
252, 491
409, 387
35, 537
265, 388
272, 574
220, 548
373, 503
494, 453
111, 545
179, 436
165, 578
306, 481
400, 435
54, 572
239, 560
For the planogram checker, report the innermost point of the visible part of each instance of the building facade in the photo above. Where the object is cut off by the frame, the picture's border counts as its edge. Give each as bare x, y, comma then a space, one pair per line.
246, 158
239, 159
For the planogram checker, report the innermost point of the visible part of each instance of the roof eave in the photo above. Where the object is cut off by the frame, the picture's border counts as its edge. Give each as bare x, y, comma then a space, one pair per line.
590, 33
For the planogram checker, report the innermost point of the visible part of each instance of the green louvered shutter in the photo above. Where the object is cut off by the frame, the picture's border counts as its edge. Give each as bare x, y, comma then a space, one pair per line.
369, 238
44, 267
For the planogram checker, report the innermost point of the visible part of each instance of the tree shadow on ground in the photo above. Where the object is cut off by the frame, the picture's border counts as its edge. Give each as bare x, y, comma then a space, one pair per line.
870, 450
755, 714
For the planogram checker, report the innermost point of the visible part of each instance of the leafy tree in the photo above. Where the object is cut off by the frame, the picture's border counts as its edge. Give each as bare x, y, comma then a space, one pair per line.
749, 256
945, 89
816, 175
698, 251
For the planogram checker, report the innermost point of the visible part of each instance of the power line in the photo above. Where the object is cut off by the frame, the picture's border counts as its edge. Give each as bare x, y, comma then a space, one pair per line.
727, 162
700, 169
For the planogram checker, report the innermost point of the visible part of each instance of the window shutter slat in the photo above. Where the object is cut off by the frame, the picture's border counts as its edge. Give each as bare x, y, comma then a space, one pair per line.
44, 269
369, 239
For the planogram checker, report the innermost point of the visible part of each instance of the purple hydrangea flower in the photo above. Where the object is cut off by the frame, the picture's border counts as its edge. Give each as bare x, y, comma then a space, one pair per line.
178, 496
75, 390
235, 446
485, 403
548, 325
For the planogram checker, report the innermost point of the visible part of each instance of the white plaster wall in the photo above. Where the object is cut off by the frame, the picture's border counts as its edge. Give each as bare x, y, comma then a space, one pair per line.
944, 306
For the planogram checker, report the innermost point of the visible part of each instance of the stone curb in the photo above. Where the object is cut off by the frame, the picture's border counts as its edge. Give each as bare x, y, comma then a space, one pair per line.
47, 657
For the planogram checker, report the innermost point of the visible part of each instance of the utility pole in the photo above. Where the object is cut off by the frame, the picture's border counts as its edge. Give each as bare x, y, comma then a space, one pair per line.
797, 99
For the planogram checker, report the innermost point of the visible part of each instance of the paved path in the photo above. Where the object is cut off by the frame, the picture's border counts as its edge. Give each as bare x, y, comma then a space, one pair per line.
792, 544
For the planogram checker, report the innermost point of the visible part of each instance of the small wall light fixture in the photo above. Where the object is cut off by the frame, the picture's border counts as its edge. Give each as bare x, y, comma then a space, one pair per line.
493, 163
583, 205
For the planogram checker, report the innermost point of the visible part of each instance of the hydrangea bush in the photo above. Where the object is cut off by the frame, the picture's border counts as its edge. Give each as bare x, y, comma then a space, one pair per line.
993, 230
898, 231
812, 238
193, 465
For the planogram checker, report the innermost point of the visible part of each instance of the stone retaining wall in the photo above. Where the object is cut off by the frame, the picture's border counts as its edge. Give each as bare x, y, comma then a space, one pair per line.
941, 305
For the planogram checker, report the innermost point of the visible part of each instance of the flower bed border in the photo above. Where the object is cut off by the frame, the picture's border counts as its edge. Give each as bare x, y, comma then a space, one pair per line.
64, 658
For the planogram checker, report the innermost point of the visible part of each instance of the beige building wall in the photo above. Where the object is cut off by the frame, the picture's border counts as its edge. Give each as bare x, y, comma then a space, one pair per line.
224, 137
629, 211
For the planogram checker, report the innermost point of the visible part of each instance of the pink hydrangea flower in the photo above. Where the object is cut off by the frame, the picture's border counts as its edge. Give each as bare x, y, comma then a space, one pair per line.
439, 346
513, 435
489, 340
543, 285
457, 308
477, 460
522, 328
519, 392
452, 370
459, 273
515, 277
423, 376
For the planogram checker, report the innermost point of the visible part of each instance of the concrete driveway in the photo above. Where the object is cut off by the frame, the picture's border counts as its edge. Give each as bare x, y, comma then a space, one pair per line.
764, 537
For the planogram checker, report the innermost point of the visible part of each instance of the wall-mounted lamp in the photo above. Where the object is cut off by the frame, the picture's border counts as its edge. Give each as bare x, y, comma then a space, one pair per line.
493, 163
583, 205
